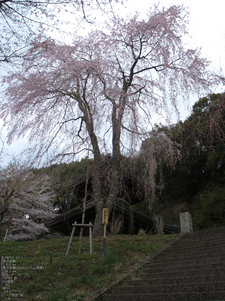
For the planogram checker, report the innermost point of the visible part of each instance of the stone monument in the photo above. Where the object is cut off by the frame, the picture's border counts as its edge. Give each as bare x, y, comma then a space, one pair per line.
186, 222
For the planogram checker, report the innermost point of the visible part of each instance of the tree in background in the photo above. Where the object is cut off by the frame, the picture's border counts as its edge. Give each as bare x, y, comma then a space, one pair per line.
25, 201
208, 142
197, 182
202, 138
30, 206
10, 181
158, 152
100, 93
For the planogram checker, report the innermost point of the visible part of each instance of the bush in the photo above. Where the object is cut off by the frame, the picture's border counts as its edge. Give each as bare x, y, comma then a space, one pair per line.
209, 208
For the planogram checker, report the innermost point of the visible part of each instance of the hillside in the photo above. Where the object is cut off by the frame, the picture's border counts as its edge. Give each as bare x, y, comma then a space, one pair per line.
44, 273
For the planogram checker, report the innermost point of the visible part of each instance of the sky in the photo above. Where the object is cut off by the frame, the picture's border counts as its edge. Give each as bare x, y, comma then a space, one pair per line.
206, 28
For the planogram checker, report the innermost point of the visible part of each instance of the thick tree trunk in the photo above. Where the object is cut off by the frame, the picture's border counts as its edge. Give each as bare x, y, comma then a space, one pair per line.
99, 203
98, 226
116, 159
114, 185
117, 115
96, 181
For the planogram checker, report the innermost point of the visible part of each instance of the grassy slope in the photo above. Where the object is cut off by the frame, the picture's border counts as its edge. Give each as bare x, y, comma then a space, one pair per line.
78, 276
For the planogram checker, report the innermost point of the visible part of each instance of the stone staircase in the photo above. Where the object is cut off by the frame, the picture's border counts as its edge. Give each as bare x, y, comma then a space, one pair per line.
191, 269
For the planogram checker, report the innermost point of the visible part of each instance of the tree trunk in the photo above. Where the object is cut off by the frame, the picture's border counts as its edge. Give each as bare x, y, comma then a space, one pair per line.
83, 210
116, 159
98, 226
4, 204
99, 204
114, 182
96, 178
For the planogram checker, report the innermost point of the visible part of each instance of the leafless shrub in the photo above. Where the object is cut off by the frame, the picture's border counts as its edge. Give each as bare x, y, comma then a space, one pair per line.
141, 232
159, 223
116, 225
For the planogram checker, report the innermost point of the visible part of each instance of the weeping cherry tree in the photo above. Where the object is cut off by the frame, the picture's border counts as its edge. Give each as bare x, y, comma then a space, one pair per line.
103, 89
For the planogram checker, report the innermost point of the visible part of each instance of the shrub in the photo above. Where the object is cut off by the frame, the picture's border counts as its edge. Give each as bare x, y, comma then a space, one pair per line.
209, 208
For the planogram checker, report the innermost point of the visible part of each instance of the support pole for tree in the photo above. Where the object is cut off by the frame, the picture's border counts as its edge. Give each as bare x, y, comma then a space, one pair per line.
90, 236
81, 230
9, 223
71, 238
84, 208
105, 218
80, 225
6, 234
131, 222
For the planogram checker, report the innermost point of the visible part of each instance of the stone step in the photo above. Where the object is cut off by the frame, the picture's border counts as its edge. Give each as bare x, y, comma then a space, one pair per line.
180, 273
191, 269
207, 244
169, 288
195, 237
206, 241
209, 232
194, 250
137, 281
184, 267
198, 247
205, 235
165, 257
187, 257
174, 264
187, 260
194, 296
200, 236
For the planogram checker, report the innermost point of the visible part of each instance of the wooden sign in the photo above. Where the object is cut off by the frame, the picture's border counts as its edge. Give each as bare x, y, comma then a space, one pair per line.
105, 216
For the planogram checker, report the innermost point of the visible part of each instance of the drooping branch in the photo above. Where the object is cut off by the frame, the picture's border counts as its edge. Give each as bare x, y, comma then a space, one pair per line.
107, 80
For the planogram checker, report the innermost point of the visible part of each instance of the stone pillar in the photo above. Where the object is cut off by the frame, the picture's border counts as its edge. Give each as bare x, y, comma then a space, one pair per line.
186, 223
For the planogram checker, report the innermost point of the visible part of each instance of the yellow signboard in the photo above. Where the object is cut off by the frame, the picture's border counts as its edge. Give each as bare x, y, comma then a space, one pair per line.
105, 215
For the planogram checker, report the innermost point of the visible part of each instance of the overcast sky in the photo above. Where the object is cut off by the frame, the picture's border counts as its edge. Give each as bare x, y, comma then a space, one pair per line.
207, 29
207, 24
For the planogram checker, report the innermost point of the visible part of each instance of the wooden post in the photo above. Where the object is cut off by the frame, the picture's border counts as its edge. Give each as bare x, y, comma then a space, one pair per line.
84, 208
71, 238
90, 236
6, 234
105, 216
131, 222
